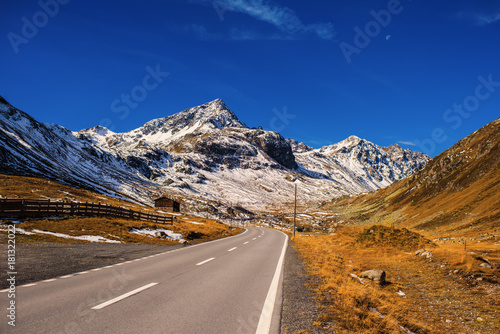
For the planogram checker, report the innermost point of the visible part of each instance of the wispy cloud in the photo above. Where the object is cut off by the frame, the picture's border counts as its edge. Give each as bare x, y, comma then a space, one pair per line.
283, 18
235, 34
480, 16
484, 20
409, 143
201, 32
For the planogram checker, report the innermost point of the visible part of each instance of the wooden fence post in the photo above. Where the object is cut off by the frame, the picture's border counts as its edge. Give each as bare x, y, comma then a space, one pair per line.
22, 208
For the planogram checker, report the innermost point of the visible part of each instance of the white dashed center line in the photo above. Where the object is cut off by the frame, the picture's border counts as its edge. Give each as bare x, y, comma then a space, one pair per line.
128, 294
232, 249
203, 262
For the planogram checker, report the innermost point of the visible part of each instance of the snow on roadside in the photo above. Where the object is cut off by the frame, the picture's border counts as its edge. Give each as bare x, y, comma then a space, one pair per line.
151, 233
18, 230
91, 238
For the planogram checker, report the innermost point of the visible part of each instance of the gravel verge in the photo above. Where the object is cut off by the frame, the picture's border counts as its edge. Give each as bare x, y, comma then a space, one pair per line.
299, 310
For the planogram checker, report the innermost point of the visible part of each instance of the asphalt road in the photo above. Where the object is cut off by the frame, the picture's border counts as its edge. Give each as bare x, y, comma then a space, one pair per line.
231, 285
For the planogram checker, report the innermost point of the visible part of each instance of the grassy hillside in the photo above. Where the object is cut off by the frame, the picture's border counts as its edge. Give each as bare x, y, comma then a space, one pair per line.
12, 186
192, 229
457, 194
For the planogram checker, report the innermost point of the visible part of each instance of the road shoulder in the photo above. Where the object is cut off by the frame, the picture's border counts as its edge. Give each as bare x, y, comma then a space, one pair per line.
299, 310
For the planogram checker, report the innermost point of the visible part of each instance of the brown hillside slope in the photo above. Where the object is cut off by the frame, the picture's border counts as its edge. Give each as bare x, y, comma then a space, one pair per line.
456, 194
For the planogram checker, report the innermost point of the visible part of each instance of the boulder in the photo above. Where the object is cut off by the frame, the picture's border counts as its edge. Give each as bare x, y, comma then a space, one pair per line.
423, 252
420, 251
427, 254
486, 265
374, 275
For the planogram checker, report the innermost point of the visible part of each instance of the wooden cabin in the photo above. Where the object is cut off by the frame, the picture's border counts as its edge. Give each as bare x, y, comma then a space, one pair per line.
167, 204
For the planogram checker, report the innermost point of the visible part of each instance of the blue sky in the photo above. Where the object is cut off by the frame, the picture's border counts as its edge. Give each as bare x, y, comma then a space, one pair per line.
420, 73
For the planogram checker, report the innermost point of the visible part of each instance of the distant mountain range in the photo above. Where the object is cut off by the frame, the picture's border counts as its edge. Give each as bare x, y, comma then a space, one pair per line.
457, 193
204, 152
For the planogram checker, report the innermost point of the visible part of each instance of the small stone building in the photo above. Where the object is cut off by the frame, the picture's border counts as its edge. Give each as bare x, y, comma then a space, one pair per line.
167, 204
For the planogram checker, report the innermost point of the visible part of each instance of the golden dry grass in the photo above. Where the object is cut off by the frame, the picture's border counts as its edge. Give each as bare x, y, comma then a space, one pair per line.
25, 187
449, 293
111, 228
119, 230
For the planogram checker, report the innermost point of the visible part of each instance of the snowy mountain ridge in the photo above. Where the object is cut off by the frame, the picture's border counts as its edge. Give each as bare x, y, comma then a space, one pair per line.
204, 152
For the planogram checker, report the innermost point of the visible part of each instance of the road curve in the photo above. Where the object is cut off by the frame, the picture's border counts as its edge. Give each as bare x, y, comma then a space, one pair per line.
230, 285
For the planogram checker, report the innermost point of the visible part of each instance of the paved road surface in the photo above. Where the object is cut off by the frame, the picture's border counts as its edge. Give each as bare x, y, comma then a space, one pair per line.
228, 286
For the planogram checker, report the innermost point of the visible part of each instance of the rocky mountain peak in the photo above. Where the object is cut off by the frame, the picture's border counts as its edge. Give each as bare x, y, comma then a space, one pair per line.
217, 114
100, 130
202, 151
201, 119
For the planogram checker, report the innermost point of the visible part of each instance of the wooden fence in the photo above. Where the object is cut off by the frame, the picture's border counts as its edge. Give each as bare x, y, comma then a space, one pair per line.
37, 208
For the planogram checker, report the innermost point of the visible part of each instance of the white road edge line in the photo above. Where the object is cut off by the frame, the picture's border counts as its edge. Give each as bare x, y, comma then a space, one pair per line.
266, 316
202, 263
126, 295
232, 249
50, 280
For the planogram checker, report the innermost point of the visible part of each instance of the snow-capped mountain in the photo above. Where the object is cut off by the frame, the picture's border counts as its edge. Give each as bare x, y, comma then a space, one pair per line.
204, 152
359, 164
29, 147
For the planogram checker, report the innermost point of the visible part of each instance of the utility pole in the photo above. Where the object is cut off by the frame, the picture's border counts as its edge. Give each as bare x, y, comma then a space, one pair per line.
295, 211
